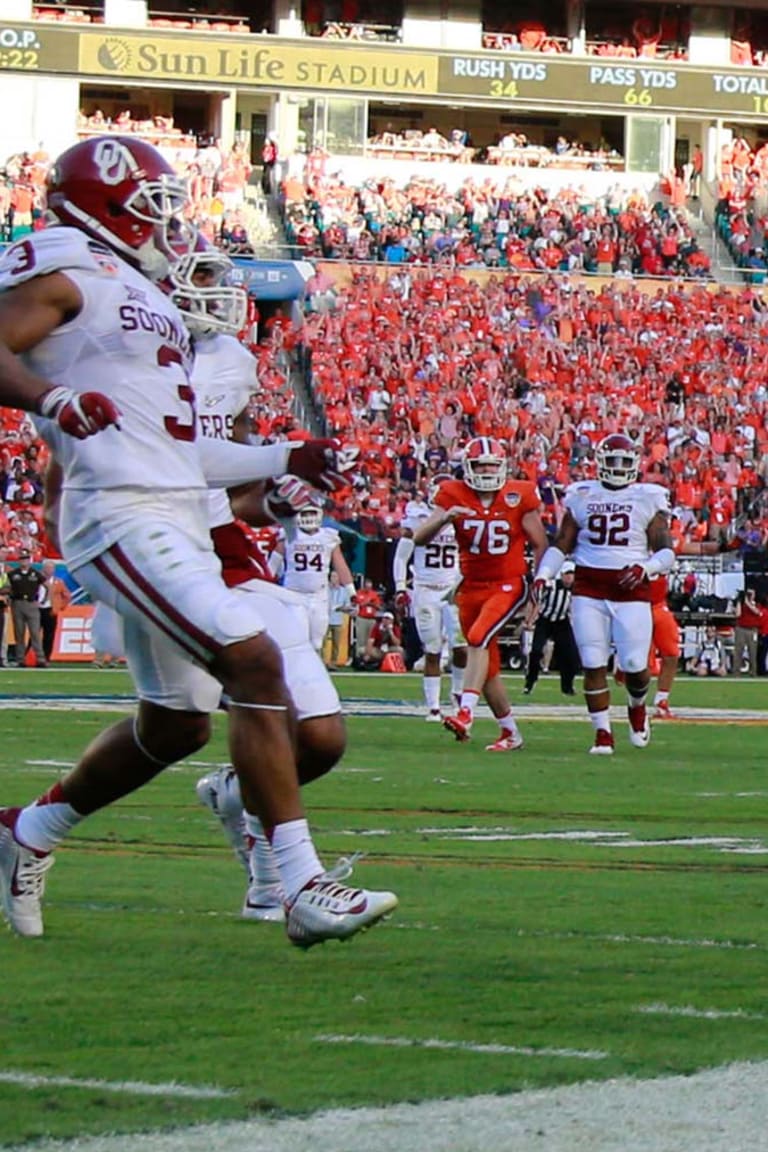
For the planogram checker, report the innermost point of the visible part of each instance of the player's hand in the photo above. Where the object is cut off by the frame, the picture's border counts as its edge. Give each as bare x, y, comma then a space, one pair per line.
79, 414
289, 495
323, 463
537, 591
402, 602
456, 511
632, 577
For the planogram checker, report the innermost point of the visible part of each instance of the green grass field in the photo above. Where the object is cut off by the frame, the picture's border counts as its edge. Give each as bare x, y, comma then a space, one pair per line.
562, 918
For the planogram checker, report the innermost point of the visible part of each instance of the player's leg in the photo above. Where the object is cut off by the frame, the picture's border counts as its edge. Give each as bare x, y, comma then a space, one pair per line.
428, 618
483, 612
540, 634
666, 641
591, 621
631, 631
117, 762
451, 629
495, 692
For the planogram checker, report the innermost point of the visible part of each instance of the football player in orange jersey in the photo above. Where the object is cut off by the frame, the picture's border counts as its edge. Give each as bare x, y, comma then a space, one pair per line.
493, 519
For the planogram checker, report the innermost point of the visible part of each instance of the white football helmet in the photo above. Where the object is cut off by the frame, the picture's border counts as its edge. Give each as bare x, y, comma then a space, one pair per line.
618, 461
485, 464
202, 290
310, 519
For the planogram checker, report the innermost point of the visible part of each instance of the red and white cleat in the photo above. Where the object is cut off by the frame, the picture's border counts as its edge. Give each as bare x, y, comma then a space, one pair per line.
22, 878
460, 724
639, 726
663, 711
603, 745
509, 743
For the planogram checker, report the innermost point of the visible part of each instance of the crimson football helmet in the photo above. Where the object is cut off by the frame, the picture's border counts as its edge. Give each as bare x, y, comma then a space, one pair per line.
618, 461
485, 464
201, 286
123, 192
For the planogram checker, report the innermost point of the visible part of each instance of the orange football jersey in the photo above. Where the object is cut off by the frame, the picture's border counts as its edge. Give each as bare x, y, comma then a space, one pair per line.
491, 539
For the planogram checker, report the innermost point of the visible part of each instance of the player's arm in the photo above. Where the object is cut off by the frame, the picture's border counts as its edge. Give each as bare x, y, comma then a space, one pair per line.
564, 543
661, 560
29, 312
342, 570
437, 520
403, 553
533, 527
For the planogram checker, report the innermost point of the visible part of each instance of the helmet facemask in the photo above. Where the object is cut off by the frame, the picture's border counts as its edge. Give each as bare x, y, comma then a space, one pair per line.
201, 289
310, 519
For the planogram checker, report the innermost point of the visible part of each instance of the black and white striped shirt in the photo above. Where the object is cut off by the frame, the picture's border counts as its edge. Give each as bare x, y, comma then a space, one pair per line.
556, 603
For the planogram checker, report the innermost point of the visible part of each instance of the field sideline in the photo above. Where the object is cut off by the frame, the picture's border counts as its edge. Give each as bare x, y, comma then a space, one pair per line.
578, 962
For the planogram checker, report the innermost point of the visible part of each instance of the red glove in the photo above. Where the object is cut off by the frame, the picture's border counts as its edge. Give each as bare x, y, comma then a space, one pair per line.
537, 591
402, 602
323, 463
288, 495
632, 577
79, 414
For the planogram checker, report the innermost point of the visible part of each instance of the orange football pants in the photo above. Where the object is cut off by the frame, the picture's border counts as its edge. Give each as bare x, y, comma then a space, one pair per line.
484, 609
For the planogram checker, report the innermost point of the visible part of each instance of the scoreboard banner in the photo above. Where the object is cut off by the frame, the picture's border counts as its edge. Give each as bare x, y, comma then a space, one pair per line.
498, 79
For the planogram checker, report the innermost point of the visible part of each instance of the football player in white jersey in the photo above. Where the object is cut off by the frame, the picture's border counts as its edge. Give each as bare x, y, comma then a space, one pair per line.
309, 552
435, 572
224, 377
616, 531
79, 307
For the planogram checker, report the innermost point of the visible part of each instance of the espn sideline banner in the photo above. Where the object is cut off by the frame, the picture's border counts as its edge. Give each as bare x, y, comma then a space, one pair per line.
72, 642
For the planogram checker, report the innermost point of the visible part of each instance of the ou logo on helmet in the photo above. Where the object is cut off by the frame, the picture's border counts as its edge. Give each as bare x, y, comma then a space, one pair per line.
113, 161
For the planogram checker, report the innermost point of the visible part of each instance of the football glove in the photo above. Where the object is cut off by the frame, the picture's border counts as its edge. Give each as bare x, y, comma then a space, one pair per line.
632, 577
323, 463
402, 602
79, 414
288, 495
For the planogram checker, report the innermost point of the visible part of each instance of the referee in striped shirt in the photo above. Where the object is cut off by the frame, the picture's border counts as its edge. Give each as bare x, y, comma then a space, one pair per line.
553, 622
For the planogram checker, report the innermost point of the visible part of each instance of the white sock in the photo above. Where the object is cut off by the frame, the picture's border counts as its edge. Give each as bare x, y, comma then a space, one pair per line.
44, 826
601, 720
469, 699
660, 698
432, 692
262, 867
295, 856
457, 681
508, 724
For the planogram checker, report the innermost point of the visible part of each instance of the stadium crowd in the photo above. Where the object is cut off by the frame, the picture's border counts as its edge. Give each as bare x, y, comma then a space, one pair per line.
491, 225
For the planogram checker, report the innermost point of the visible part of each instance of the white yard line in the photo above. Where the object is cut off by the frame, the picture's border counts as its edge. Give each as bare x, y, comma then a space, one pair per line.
123, 1087
460, 1046
721, 1110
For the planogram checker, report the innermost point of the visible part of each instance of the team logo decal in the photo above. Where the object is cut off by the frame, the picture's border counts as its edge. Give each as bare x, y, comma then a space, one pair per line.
512, 499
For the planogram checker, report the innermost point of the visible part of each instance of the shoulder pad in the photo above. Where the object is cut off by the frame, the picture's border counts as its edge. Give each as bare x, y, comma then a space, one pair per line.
54, 250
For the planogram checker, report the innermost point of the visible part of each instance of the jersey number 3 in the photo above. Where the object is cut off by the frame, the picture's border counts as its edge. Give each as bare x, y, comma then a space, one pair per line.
167, 355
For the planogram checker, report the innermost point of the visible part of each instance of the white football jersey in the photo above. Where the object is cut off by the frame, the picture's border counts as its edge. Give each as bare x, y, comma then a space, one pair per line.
437, 562
308, 559
613, 523
130, 343
223, 377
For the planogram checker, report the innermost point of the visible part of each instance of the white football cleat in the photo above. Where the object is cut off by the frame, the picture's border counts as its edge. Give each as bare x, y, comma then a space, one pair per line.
639, 726
328, 910
220, 791
603, 745
434, 716
22, 878
506, 743
265, 903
